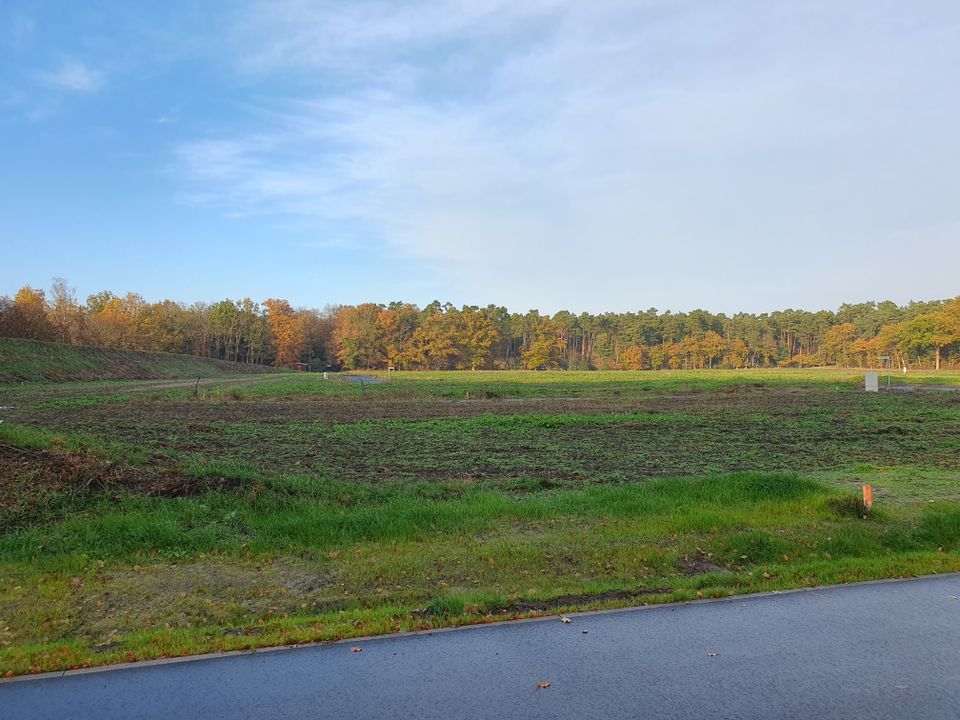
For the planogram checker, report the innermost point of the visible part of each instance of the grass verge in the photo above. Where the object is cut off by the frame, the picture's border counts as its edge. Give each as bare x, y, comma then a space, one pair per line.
138, 578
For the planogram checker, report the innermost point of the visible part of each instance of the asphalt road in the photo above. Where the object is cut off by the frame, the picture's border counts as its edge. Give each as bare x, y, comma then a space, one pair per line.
884, 650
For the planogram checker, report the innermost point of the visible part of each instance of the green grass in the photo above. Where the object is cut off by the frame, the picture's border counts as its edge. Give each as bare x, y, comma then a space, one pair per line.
288, 509
36, 361
483, 556
491, 384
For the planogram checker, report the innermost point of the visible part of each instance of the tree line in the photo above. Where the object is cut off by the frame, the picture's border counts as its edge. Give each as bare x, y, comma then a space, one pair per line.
444, 337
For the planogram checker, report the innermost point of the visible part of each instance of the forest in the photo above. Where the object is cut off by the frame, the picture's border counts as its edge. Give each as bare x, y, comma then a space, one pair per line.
444, 337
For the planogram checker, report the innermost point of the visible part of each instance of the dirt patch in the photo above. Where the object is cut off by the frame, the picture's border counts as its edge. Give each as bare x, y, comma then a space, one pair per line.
697, 565
28, 476
55, 470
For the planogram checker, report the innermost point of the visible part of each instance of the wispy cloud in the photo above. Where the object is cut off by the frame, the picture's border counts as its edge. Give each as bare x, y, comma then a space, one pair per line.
74, 76
20, 30
528, 146
302, 33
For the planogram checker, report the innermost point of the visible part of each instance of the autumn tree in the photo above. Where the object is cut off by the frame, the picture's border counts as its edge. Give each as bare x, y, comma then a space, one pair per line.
920, 336
317, 336
712, 346
675, 356
359, 336
632, 358
946, 327
864, 351
434, 342
476, 337
545, 348
108, 324
738, 353
28, 316
692, 352
441, 336
161, 327
65, 313
838, 342
286, 331
888, 342
397, 323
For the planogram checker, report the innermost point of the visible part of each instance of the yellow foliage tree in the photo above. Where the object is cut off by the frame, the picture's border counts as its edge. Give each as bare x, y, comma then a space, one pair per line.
632, 358
287, 332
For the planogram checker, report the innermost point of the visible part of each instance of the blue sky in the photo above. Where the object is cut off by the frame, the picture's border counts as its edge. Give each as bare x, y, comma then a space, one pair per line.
609, 155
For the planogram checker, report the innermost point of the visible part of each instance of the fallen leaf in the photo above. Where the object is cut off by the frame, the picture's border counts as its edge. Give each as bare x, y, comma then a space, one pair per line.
334, 553
356, 649
543, 684
76, 582
767, 575
565, 619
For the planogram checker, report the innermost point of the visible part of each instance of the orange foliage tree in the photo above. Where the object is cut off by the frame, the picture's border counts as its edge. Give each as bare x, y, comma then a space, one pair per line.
286, 330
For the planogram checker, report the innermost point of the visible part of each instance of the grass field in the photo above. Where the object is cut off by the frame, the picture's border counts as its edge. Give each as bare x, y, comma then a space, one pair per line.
36, 361
149, 519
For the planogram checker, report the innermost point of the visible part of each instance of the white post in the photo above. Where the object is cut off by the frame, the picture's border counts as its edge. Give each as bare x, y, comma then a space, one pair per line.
872, 382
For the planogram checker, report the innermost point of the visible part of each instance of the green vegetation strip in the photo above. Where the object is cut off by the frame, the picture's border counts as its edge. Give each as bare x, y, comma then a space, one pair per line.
228, 570
158, 524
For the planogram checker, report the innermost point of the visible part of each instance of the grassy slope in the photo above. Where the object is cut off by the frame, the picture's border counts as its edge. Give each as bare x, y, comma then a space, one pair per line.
35, 361
348, 526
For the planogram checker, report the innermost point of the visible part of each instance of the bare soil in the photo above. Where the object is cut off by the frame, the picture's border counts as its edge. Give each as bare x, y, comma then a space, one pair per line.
29, 478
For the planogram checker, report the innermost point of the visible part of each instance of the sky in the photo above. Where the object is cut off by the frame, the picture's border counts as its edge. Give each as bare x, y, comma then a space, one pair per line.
610, 155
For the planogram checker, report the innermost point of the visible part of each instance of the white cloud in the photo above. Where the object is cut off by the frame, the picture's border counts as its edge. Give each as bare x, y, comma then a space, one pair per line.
74, 76
609, 155
303, 33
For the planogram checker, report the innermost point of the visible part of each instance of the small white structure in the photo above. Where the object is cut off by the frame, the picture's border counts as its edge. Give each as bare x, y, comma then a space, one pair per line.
872, 380
326, 375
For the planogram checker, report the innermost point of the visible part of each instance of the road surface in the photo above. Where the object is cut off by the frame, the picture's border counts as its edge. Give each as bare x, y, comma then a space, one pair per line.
880, 650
